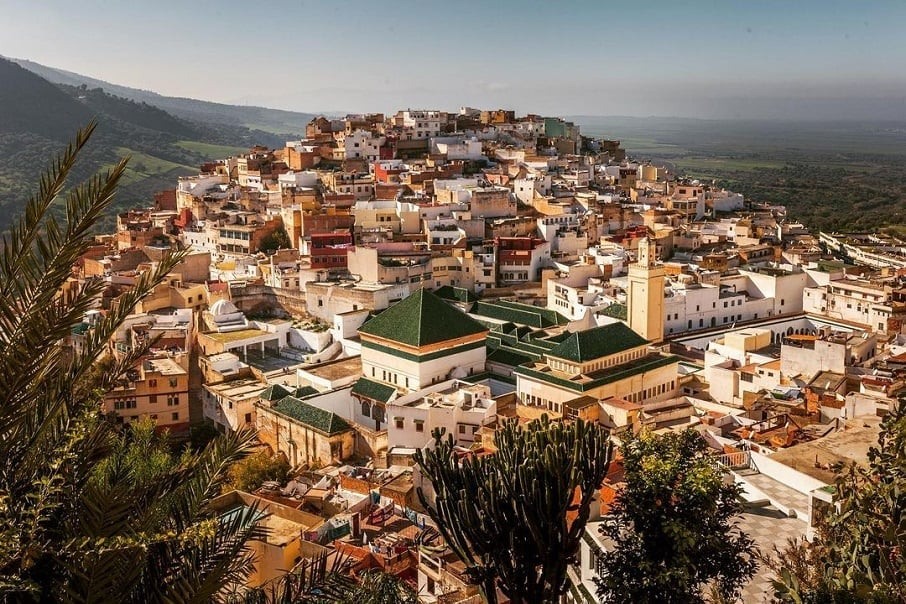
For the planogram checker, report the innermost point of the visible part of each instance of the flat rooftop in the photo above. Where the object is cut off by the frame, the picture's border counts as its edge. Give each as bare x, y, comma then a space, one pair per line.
336, 370
165, 366
236, 336
815, 458
240, 389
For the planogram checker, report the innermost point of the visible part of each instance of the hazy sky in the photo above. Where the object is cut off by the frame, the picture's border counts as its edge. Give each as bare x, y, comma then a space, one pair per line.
758, 58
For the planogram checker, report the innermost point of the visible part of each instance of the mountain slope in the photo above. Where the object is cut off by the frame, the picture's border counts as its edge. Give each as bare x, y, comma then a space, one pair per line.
275, 121
38, 118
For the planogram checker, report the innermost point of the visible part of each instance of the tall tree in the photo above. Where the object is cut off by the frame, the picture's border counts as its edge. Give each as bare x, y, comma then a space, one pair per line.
860, 551
672, 526
505, 515
81, 519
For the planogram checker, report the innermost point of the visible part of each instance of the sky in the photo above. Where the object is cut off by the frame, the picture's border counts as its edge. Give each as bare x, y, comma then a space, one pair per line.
761, 59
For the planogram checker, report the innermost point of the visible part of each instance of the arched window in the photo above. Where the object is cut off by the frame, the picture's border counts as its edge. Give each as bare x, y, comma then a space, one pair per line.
366, 408
378, 414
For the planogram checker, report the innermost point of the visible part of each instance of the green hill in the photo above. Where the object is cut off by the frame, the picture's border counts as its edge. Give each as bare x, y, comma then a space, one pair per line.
39, 118
275, 121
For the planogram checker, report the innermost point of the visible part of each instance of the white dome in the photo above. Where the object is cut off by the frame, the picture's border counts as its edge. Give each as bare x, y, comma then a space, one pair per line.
222, 308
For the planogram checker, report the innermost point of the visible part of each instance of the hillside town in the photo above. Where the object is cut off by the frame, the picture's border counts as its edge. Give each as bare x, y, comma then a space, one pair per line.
348, 295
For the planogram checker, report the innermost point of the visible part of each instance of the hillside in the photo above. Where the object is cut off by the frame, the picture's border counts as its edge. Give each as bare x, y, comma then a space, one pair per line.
275, 121
39, 118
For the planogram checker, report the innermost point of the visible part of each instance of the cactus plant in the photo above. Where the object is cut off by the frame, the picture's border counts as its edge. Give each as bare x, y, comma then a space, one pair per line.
505, 515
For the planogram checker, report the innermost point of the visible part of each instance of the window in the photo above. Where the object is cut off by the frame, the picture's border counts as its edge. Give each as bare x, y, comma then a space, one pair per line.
419, 425
248, 418
175, 416
173, 401
152, 383
173, 382
462, 429
399, 423
124, 404
366, 408
152, 399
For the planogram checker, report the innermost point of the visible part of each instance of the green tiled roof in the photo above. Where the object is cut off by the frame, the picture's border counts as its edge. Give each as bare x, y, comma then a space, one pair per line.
304, 391
616, 311
510, 357
602, 376
275, 392
460, 294
319, 419
420, 320
522, 314
376, 391
597, 342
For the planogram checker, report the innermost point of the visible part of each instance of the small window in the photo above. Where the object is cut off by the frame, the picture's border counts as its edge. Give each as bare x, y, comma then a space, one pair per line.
399, 424
462, 429
419, 426
175, 416
152, 383
173, 382
248, 418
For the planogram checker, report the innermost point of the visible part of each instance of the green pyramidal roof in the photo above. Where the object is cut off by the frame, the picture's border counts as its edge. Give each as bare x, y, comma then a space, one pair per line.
597, 342
420, 320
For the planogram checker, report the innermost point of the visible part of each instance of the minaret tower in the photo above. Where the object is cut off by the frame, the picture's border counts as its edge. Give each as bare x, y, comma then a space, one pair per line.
646, 294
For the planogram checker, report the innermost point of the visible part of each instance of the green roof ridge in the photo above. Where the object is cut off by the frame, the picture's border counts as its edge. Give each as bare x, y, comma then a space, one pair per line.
421, 319
374, 390
597, 342
320, 419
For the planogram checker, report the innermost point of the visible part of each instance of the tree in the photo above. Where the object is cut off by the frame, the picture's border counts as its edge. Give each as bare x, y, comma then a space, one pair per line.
672, 526
505, 515
84, 515
860, 550
277, 240
251, 472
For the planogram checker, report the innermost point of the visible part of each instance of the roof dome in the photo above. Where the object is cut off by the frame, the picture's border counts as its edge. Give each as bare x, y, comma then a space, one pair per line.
222, 308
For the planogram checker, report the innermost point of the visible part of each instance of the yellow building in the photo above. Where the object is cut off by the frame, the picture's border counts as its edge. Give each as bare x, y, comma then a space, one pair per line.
645, 298
305, 434
605, 362
158, 388
282, 546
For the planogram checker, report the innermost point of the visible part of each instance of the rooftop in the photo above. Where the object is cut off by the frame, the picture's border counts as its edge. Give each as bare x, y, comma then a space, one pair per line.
815, 458
420, 320
337, 369
239, 389
164, 366
597, 342
373, 390
319, 419
235, 336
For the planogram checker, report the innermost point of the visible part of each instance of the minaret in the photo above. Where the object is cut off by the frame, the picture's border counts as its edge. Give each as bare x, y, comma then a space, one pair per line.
646, 294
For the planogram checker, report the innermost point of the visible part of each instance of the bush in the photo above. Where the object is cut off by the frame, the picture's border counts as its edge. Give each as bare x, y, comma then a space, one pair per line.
253, 471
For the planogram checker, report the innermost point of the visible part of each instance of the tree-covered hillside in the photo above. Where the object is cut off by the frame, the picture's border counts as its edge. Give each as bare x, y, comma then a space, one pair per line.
39, 117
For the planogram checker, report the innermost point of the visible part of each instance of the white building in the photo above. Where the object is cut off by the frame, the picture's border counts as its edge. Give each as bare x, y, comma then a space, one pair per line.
461, 409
